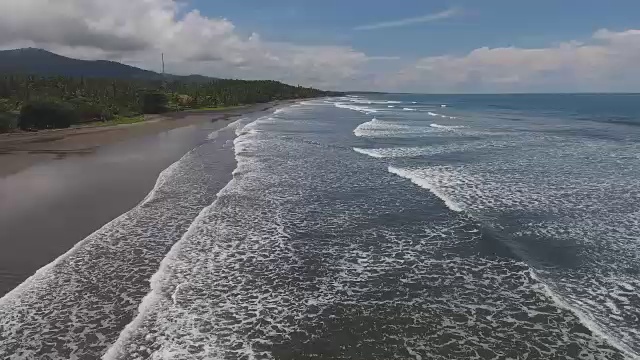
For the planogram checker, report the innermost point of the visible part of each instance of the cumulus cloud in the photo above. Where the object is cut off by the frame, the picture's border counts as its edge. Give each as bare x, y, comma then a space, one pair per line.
607, 62
137, 31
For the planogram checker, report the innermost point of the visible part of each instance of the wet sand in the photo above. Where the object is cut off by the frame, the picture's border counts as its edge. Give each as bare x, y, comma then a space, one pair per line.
19, 151
56, 188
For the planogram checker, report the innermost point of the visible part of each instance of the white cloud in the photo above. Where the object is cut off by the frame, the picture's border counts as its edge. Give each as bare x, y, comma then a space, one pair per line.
137, 31
446, 14
607, 62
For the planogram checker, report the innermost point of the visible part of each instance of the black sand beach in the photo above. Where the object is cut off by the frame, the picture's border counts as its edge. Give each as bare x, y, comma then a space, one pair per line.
56, 189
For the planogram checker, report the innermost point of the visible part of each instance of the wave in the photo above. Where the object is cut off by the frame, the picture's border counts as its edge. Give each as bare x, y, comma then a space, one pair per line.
379, 128
409, 109
156, 295
99, 282
370, 152
45, 272
188, 305
403, 152
315, 102
445, 183
430, 113
371, 102
239, 125
365, 128
446, 127
165, 284
425, 183
600, 300
585, 319
247, 126
214, 135
362, 109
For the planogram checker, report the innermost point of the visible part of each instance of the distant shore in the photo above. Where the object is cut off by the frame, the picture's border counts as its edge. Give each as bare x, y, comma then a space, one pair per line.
57, 187
19, 151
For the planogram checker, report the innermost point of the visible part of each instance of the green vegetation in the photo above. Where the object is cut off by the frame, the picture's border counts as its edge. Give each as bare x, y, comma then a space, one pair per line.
41, 114
120, 120
155, 102
58, 102
219, 108
8, 122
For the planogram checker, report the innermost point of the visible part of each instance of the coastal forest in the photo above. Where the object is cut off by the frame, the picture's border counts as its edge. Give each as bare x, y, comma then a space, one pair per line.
34, 102
43, 90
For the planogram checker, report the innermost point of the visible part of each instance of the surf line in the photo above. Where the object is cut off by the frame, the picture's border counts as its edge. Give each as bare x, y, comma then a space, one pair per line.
584, 318
156, 295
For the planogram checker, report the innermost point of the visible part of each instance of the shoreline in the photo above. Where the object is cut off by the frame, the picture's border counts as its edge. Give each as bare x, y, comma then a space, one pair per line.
54, 200
113, 265
19, 151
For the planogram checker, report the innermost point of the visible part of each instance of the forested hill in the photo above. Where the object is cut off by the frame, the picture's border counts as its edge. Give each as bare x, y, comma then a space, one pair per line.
86, 94
30, 61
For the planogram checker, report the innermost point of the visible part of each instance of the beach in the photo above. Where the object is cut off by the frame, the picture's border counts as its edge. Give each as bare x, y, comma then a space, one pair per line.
57, 187
377, 226
19, 151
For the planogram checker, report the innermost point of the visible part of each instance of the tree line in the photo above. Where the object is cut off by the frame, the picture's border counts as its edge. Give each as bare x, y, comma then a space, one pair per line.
36, 102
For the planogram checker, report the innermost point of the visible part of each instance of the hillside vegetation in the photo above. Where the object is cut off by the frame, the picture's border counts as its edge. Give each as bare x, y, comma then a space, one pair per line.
41, 101
95, 99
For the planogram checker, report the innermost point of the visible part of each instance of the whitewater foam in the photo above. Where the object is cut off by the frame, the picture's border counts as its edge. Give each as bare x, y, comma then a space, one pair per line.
156, 295
74, 306
554, 180
276, 261
379, 128
585, 319
362, 109
446, 127
167, 285
44, 272
371, 102
405, 152
430, 113
369, 152
427, 184
280, 269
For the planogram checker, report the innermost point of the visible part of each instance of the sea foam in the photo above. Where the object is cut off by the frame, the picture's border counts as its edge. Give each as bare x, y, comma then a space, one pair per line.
424, 182
362, 109
446, 127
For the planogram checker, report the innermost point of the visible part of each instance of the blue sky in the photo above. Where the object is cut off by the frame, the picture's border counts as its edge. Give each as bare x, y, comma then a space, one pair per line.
432, 46
492, 23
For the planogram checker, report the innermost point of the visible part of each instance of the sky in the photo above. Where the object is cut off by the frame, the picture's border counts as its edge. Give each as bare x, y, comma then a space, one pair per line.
424, 46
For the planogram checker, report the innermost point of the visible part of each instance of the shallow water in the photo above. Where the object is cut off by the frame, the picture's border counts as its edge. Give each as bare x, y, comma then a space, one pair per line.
77, 306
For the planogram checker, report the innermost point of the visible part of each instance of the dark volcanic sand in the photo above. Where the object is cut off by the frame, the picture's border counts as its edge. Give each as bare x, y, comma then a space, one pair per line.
48, 207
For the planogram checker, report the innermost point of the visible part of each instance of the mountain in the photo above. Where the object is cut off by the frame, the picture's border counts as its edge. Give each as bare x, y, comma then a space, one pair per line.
45, 63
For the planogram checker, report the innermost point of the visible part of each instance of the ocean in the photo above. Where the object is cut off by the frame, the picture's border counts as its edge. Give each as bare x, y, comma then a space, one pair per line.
377, 226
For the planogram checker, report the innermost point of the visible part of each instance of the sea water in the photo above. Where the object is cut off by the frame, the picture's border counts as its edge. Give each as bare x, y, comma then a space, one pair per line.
373, 227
